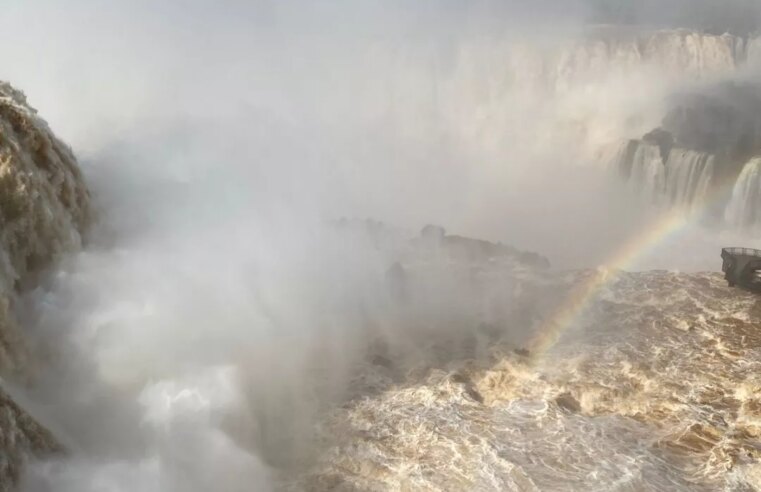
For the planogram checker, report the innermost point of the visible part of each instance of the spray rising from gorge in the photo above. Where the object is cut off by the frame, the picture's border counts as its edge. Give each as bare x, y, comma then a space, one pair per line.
233, 322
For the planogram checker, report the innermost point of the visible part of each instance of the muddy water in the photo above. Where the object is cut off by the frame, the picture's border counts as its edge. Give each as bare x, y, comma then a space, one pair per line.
656, 386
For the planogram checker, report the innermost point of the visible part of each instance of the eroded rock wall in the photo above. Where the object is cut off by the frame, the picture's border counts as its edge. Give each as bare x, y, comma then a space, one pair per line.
43, 208
21, 438
44, 211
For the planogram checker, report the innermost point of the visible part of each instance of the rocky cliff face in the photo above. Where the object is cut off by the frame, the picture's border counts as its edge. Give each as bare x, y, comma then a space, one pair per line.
44, 210
21, 437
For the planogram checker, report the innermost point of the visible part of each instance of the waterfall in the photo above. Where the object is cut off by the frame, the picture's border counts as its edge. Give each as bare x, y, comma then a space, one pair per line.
695, 52
682, 182
744, 208
688, 177
647, 173
673, 52
754, 51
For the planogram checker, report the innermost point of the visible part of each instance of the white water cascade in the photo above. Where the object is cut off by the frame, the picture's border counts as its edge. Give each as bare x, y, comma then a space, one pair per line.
744, 208
682, 182
648, 174
753, 50
688, 177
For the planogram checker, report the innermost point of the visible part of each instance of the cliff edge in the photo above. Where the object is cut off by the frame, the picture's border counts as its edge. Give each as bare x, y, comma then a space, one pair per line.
44, 211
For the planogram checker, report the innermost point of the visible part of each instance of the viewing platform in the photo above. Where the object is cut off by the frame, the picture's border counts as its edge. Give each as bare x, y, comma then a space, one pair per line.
742, 267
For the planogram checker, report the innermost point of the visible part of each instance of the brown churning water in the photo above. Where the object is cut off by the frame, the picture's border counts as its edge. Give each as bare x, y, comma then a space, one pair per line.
657, 388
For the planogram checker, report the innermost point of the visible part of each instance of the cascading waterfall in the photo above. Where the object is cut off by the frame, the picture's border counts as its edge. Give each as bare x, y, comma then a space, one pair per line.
646, 171
682, 181
706, 133
744, 208
685, 179
523, 75
688, 177
753, 51
673, 52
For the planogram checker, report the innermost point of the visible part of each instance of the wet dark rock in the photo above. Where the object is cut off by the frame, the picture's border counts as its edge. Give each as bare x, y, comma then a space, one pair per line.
382, 361
469, 388
21, 438
663, 139
566, 401
724, 121
433, 241
474, 394
522, 352
44, 214
475, 250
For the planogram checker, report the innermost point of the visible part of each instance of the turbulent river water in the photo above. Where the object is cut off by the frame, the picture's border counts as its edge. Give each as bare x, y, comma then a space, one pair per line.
654, 387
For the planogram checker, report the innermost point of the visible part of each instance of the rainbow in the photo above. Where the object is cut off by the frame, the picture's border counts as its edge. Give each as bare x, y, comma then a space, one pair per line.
585, 292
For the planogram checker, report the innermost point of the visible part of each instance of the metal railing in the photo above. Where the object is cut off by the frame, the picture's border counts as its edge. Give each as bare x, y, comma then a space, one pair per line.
742, 251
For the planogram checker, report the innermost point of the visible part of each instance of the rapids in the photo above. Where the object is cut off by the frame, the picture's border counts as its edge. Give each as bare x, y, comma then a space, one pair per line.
654, 388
